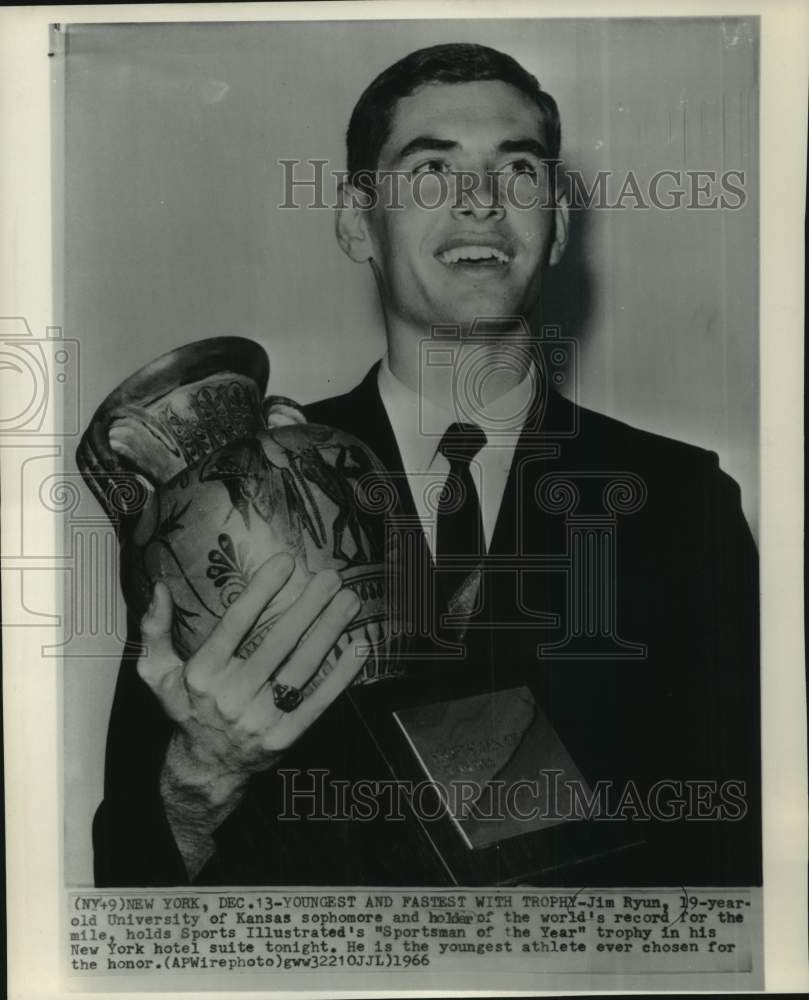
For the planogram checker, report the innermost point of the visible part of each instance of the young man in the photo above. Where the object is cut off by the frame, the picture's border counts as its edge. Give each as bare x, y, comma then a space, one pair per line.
656, 688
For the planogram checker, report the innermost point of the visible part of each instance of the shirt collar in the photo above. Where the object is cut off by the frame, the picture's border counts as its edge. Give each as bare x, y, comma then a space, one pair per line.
419, 424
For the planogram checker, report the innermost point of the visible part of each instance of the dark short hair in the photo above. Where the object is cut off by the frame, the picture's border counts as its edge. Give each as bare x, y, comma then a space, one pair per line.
457, 62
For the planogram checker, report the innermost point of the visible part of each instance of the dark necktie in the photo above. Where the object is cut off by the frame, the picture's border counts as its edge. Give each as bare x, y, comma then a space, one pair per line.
459, 526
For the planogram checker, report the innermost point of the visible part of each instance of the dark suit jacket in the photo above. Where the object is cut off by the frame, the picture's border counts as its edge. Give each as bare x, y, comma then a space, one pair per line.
684, 586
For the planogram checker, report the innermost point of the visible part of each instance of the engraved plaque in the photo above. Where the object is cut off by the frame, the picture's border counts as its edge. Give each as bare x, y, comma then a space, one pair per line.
498, 764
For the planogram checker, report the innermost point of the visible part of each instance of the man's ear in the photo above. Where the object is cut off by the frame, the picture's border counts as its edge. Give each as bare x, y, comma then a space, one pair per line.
351, 224
562, 229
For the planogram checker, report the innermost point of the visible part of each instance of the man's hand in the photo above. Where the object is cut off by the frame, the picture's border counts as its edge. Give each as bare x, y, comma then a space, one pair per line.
228, 725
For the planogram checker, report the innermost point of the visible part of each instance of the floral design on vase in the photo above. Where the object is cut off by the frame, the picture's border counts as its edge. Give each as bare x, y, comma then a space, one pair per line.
229, 569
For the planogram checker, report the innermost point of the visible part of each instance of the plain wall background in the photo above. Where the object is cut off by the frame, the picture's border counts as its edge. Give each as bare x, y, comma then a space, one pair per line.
172, 232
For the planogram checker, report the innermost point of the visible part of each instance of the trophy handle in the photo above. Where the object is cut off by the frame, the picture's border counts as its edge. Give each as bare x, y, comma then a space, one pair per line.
168, 415
116, 478
281, 411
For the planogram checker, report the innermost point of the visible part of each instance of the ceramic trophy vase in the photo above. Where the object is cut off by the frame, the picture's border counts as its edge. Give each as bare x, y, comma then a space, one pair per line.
205, 479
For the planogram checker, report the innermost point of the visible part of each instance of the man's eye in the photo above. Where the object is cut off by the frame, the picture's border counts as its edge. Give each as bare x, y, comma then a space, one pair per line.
521, 166
431, 167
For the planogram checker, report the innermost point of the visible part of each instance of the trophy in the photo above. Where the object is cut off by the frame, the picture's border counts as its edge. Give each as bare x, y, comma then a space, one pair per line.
205, 479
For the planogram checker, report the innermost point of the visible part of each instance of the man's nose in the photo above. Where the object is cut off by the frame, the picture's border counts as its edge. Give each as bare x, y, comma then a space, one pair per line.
477, 196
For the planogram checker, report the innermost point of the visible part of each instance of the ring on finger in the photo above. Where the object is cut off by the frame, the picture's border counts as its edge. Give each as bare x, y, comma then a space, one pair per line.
286, 697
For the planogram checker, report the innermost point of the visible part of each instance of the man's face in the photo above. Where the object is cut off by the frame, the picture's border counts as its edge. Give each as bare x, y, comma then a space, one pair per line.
478, 254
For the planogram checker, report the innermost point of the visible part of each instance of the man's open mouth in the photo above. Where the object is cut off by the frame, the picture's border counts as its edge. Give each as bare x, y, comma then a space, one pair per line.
475, 256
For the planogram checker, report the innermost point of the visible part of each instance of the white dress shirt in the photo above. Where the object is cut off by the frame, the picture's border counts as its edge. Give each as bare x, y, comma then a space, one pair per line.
419, 424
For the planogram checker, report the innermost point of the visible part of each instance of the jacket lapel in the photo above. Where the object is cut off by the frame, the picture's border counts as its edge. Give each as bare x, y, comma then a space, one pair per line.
538, 447
365, 416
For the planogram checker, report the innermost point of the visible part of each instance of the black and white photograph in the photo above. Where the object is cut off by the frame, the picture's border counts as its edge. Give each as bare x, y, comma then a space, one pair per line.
404, 402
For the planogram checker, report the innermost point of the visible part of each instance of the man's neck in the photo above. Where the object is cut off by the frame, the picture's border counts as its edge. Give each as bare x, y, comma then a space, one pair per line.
480, 369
